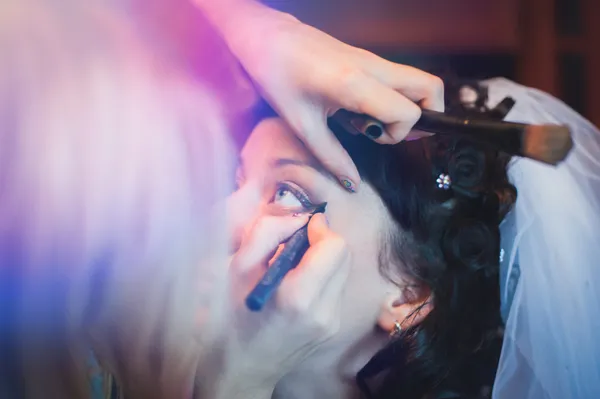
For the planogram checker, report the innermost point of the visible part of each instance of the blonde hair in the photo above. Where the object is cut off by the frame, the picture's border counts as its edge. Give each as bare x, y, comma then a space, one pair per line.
110, 161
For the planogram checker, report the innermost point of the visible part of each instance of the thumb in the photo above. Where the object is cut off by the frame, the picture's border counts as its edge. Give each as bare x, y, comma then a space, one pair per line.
318, 228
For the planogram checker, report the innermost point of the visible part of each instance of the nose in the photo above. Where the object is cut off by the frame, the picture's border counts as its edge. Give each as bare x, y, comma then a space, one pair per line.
242, 209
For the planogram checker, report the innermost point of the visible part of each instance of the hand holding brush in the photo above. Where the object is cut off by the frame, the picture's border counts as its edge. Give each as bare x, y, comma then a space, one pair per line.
549, 144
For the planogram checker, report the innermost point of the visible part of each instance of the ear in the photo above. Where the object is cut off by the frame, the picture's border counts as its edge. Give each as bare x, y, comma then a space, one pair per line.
407, 306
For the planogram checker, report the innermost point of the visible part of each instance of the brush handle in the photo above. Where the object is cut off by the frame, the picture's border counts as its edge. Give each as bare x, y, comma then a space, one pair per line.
504, 136
288, 259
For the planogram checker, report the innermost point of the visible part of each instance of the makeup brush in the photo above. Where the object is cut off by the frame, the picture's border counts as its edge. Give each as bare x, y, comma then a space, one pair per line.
292, 253
549, 144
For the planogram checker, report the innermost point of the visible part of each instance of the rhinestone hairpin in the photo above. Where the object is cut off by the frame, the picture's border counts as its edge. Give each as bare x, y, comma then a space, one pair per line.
443, 181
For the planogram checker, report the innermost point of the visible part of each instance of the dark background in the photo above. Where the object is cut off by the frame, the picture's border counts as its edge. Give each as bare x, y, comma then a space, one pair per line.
553, 45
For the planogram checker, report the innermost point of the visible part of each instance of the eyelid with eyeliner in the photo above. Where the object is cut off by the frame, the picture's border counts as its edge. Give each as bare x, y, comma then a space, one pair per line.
297, 191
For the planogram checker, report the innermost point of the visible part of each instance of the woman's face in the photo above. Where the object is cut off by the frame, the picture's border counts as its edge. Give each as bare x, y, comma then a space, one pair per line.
276, 174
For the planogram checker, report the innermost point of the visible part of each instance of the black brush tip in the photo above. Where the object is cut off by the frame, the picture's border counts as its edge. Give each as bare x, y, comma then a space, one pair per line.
319, 208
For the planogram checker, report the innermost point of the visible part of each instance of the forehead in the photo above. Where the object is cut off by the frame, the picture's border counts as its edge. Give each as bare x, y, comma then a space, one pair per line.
272, 138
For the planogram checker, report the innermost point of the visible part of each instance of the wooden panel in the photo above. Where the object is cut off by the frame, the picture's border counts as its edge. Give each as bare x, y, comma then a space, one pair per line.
538, 57
572, 45
591, 12
443, 25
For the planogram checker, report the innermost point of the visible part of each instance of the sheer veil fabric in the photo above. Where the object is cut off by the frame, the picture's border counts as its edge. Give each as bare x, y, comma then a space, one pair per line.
552, 237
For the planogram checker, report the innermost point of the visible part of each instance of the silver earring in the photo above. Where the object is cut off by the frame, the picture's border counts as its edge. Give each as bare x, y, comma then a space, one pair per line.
397, 328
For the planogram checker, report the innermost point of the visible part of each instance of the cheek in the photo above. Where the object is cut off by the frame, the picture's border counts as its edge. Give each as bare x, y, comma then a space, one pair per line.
366, 288
361, 227
360, 220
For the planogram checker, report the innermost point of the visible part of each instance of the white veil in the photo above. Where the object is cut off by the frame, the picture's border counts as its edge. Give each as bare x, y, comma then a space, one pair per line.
552, 337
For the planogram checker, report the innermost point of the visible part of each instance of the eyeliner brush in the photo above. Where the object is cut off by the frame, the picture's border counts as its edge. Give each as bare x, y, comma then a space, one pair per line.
292, 253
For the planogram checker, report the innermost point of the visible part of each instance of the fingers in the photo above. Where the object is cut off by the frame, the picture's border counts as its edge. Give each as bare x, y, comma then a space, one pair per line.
326, 258
417, 85
262, 241
366, 95
318, 229
327, 149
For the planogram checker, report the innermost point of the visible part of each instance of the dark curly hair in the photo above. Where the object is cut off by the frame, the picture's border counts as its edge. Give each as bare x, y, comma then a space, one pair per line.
448, 244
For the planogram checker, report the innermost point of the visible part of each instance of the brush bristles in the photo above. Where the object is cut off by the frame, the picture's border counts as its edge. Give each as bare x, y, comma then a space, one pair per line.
547, 143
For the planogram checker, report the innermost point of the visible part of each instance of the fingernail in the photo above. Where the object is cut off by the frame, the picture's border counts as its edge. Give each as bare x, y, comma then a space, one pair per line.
300, 215
369, 127
348, 184
374, 132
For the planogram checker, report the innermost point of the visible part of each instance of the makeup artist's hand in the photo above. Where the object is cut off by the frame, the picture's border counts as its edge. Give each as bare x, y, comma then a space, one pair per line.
259, 348
307, 75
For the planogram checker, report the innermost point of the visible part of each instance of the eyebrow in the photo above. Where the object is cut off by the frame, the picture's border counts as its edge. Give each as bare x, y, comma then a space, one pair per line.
281, 162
